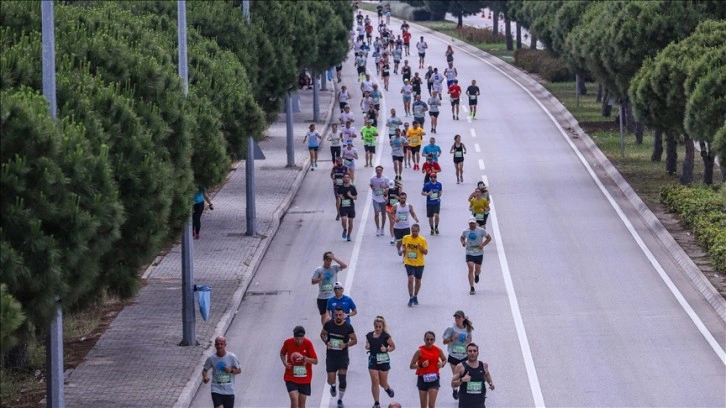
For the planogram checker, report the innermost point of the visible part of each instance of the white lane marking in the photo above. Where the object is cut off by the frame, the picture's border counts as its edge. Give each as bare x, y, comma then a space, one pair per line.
514, 305
473, 132
477, 148
481, 165
651, 258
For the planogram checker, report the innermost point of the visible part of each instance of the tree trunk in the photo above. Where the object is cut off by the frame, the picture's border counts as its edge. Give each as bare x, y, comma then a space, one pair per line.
581, 88
629, 117
533, 42
606, 108
657, 146
688, 159
671, 153
460, 20
519, 37
495, 24
708, 162
598, 96
508, 33
639, 129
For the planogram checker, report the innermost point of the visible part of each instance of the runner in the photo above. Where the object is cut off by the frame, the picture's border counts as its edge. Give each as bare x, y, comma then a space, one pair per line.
313, 138
379, 185
398, 143
427, 361
407, 91
433, 191
458, 149
346, 116
343, 98
379, 9
336, 139
402, 212
449, 54
405, 26
469, 376
430, 168
369, 33
455, 93
336, 174
432, 149
473, 92
406, 41
434, 103
421, 46
385, 71
479, 207
429, 80
342, 301
396, 59
456, 337
450, 73
406, 147
377, 57
406, 71
347, 194
224, 365
324, 276
369, 134
379, 343
414, 249
338, 72
392, 197
350, 155
438, 79
474, 239
376, 96
415, 138
366, 86
371, 116
393, 122
419, 108
416, 83
388, 13
360, 64
338, 335
298, 356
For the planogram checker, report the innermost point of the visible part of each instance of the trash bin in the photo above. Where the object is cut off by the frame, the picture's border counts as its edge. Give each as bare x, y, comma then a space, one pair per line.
204, 294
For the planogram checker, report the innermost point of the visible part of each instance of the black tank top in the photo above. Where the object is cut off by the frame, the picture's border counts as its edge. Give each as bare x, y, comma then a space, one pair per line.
473, 391
376, 344
392, 197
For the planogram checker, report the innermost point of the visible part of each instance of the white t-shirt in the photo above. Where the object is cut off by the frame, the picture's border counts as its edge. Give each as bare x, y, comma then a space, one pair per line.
421, 46
379, 185
349, 133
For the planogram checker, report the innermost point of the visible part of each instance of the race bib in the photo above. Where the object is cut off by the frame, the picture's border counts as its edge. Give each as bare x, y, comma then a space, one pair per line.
459, 349
299, 371
382, 358
220, 377
347, 162
474, 387
414, 140
434, 195
402, 217
458, 154
472, 97
339, 181
430, 377
345, 202
393, 201
479, 217
327, 287
412, 255
336, 344
379, 191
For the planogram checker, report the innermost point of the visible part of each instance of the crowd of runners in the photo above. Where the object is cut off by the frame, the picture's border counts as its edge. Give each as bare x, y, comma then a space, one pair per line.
380, 52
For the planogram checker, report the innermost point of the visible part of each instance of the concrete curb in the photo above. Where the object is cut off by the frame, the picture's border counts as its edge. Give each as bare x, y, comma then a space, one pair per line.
192, 386
688, 267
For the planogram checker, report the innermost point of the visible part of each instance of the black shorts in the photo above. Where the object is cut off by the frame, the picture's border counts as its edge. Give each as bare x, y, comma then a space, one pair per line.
371, 149
338, 67
360, 37
477, 259
303, 389
372, 365
455, 101
415, 271
313, 148
333, 364
335, 151
415, 149
226, 401
361, 70
455, 361
421, 54
377, 106
432, 209
472, 102
347, 212
399, 233
405, 77
425, 386
369, 35
322, 306
483, 221
434, 114
421, 120
342, 105
458, 160
385, 74
397, 158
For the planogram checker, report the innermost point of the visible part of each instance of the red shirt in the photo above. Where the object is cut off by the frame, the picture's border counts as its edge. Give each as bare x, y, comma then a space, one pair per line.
429, 168
432, 355
406, 37
455, 91
298, 373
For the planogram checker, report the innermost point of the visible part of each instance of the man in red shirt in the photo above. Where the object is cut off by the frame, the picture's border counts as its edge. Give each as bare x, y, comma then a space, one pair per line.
298, 356
430, 167
406, 41
455, 93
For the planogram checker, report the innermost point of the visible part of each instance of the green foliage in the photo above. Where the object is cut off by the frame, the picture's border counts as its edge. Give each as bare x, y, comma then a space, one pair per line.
11, 318
704, 210
543, 63
705, 89
719, 144
476, 35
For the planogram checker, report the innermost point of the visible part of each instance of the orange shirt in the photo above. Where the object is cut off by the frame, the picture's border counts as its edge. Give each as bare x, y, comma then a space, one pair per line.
299, 373
432, 356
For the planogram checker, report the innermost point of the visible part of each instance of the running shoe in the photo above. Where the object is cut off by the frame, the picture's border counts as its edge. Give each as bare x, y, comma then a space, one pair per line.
389, 391
437, 230
472, 291
345, 232
347, 237
455, 394
332, 391
340, 404
316, 164
410, 302
393, 241
312, 168
476, 279
400, 252
337, 217
376, 405
433, 231
415, 300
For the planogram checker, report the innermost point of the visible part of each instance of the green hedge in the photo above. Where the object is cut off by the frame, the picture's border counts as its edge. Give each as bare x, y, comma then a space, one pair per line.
704, 210
543, 63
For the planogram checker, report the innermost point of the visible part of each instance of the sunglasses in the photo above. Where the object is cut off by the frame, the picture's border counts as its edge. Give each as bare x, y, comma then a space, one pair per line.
429, 339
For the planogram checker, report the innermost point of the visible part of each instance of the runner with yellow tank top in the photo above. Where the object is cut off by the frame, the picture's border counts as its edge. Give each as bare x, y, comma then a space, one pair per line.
414, 249
415, 138
479, 207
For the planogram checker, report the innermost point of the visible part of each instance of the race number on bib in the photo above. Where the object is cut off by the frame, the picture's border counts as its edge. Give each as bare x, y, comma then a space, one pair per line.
346, 202
474, 387
336, 344
412, 255
430, 377
382, 358
299, 371
458, 154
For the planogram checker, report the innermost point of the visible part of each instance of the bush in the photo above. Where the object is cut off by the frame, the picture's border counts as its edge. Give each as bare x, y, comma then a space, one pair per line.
476, 35
540, 62
408, 12
703, 209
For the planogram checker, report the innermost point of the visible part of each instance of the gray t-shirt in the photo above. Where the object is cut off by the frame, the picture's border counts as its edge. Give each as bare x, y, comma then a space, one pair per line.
457, 348
222, 383
330, 276
397, 144
474, 239
419, 109
379, 184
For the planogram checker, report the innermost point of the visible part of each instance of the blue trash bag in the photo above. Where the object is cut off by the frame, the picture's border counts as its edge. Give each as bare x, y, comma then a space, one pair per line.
204, 293
330, 74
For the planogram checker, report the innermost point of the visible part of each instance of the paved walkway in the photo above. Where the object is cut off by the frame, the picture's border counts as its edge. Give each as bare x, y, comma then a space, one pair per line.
137, 362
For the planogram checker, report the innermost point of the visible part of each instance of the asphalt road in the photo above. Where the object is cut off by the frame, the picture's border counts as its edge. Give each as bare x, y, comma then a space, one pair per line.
578, 304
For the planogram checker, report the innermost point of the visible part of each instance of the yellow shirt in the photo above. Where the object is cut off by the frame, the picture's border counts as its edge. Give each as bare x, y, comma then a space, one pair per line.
479, 206
412, 250
415, 136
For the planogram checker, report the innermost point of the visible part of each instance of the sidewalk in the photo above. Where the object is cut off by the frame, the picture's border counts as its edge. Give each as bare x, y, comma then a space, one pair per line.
137, 362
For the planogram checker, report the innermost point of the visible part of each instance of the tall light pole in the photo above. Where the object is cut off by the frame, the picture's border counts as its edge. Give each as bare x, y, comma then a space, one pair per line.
189, 337
54, 347
251, 210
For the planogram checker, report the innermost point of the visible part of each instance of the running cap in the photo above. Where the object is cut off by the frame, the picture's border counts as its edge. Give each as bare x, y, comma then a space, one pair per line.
337, 285
472, 220
298, 331
459, 313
